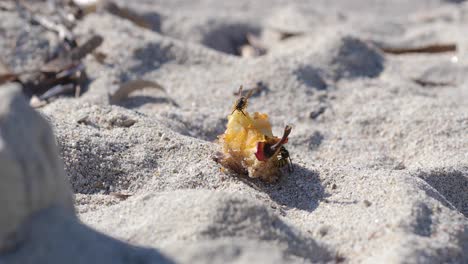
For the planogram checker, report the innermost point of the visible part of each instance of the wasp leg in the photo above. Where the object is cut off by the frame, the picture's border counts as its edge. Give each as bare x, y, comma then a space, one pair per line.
290, 165
238, 110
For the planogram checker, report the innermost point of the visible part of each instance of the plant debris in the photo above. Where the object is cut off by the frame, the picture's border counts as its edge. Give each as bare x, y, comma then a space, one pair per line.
126, 88
5, 74
63, 75
316, 113
63, 72
430, 48
426, 83
255, 90
126, 13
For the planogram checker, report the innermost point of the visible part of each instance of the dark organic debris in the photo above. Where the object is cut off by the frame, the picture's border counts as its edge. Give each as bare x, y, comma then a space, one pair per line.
69, 60
285, 35
126, 13
426, 83
63, 72
316, 113
254, 90
63, 75
126, 88
120, 196
430, 48
26, 11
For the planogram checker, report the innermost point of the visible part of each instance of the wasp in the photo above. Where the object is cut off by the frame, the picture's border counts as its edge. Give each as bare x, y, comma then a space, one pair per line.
266, 150
242, 102
284, 159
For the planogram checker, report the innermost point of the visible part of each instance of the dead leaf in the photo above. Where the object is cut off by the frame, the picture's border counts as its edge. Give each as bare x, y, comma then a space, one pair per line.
131, 86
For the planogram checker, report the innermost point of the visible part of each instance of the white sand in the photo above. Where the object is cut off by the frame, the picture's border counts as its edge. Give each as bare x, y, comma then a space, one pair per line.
381, 176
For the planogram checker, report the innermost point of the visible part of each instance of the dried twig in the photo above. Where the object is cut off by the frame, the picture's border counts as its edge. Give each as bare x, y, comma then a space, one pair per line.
71, 59
285, 35
60, 29
427, 83
126, 13
63, 32
255, 90
430, 48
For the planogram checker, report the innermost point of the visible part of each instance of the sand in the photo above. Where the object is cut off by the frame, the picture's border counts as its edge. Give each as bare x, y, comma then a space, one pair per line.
379, 141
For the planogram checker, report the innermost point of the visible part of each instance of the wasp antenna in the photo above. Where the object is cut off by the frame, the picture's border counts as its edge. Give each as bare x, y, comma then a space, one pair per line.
240, 91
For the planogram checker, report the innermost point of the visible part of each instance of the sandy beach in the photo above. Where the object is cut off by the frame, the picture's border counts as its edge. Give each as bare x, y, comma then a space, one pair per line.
375, 91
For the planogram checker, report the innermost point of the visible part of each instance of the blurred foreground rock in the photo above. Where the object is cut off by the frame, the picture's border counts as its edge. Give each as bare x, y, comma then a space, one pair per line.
38, 223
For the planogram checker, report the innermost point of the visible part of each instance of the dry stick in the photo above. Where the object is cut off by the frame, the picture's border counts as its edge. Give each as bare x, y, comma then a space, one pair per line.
57, 90
61, 30
285, 35
431, 48
62, 63
255, 90
126, 13
432, 83
88, 47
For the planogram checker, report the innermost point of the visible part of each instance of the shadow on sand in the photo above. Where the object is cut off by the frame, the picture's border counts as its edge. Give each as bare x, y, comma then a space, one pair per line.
55, 236
301, 189
136, 101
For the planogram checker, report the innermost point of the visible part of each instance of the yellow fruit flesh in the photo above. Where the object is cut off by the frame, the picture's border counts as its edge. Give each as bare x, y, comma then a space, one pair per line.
240, 141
